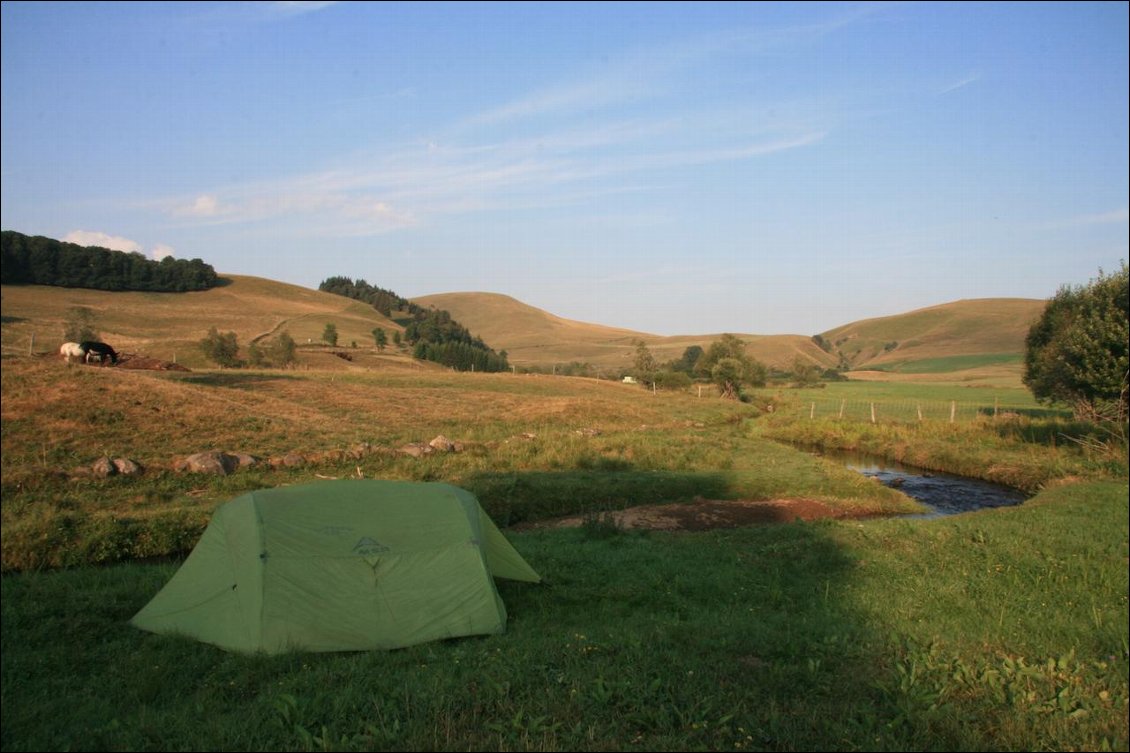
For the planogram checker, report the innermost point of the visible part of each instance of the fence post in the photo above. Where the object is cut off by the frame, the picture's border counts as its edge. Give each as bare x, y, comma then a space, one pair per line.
953, 409
872, 412
31, 345
919, 411
996, 406
812, 411
842, 402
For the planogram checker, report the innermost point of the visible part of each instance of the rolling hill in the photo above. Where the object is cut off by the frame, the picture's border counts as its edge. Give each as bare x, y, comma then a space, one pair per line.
950, 337
169, 326
963, 340
532, 337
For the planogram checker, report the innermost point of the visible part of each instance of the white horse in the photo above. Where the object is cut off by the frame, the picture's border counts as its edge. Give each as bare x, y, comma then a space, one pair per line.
71, 351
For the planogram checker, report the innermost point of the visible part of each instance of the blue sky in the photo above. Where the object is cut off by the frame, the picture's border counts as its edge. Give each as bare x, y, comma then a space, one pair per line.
671, 168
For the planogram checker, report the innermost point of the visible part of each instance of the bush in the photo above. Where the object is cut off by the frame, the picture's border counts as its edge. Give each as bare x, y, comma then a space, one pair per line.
672, 380
221, 348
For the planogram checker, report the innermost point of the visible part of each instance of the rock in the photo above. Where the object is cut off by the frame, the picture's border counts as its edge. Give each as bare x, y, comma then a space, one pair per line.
127, 467
245, 460
103, 467
219, 463
416, 449
289, 460
359, 450
442, 443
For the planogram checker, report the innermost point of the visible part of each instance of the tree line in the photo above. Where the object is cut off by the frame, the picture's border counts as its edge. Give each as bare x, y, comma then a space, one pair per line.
435, 335
36, 260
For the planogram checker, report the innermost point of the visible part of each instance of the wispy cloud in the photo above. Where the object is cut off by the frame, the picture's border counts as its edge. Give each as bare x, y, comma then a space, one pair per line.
966, 81
116, 243
161, 250
404, 187
299, 7
644, 74
568, 143
102, 240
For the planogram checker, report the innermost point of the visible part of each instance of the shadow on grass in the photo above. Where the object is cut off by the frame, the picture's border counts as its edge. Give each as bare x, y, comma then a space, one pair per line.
731, 639
234, 379
736, 639
511, 498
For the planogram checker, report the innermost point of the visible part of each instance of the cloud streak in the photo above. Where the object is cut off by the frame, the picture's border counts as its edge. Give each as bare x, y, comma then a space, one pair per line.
972, 78
405, 187
564, 144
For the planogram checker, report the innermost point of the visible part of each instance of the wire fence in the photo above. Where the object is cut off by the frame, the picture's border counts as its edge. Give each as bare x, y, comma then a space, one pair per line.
908, 411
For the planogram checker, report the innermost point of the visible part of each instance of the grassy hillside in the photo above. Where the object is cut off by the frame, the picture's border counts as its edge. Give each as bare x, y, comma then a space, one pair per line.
169, 325
953, 337
532, 337
963, 341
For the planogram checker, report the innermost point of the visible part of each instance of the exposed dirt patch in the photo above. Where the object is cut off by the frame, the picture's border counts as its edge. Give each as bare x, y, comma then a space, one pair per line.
705, 515
134, 361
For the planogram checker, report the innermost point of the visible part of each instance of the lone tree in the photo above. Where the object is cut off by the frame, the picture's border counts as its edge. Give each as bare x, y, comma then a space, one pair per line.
1077, 350
329, 335
380, 338
645, 366
805, 373
727, 364
221, 348
283, 351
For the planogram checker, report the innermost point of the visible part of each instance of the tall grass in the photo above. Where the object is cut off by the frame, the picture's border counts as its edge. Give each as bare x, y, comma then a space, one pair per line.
1016, 445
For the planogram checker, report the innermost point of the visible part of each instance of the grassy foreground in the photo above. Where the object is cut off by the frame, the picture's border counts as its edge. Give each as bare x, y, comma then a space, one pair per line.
1004, 630
998, 630
534, 448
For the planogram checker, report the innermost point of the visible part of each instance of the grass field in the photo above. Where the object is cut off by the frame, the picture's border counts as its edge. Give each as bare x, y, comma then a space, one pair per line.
1003, 630
991, 631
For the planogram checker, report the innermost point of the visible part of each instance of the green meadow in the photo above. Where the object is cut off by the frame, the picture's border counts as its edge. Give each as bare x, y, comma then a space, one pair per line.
997, 630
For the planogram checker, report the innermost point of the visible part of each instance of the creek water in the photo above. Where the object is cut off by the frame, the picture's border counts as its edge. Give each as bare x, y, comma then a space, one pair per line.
944, 493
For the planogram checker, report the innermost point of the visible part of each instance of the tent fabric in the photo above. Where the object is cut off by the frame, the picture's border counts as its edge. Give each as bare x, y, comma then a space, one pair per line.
340, 566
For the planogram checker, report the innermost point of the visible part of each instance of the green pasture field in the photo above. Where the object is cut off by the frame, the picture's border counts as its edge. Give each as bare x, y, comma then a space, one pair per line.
1003, 629
908, 401
939, 390
947, 364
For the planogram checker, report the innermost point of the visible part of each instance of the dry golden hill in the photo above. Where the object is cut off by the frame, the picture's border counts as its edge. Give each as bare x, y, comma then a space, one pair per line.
532, 337
169, 326
954, 338
950, 337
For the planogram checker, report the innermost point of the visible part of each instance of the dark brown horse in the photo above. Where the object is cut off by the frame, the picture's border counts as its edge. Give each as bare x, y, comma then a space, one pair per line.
98, 350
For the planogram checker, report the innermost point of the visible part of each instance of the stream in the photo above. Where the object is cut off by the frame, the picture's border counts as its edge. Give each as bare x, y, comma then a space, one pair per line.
944, 493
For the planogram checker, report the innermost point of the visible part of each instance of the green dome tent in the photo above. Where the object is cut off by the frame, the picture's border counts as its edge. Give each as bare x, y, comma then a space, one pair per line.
340, 566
